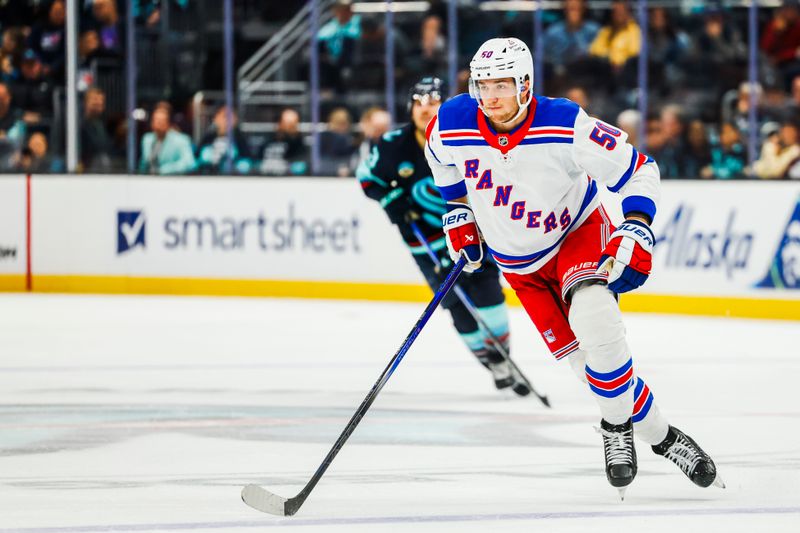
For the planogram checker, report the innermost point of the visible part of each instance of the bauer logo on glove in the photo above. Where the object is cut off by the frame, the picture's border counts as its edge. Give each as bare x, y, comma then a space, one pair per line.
462, 236
628, 257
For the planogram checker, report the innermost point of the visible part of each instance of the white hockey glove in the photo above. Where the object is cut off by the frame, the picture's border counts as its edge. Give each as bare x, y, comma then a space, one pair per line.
628, 257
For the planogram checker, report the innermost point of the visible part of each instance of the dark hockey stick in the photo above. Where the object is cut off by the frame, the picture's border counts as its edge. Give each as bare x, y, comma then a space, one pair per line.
473, 310
263, 500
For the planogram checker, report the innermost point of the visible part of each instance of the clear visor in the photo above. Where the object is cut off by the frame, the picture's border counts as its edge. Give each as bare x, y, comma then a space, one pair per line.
483, 90
432, 98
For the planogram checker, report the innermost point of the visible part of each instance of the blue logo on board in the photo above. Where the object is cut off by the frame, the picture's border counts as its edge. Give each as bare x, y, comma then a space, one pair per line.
130, 230
784, 271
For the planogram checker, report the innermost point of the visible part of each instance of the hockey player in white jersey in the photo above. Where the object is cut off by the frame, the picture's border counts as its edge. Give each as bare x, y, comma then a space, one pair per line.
525, 170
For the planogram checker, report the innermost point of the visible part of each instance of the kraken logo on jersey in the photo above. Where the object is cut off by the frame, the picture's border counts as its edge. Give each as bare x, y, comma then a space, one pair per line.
784, 271
405, 169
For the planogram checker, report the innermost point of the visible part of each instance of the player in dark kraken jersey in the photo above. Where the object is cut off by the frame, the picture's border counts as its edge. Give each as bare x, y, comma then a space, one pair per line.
397, 176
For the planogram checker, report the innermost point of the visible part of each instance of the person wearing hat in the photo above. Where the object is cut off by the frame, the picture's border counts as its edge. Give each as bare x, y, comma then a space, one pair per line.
779, 152
33, 91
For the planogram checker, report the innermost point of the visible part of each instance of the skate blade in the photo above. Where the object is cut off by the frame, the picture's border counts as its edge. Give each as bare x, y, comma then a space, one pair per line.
718, 482
622, 493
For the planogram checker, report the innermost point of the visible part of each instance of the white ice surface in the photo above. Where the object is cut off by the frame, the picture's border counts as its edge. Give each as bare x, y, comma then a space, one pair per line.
149, 414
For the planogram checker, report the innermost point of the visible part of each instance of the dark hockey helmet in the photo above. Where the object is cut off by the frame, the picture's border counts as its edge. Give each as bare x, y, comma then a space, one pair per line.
428, 88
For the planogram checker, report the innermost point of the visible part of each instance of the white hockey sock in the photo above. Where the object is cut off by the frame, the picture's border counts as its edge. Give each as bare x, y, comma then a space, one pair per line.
596, 320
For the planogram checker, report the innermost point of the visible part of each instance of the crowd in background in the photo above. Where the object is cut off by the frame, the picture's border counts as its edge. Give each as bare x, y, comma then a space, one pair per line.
699, 99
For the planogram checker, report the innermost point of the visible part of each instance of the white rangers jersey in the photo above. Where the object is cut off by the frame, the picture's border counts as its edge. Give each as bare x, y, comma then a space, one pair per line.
530, 187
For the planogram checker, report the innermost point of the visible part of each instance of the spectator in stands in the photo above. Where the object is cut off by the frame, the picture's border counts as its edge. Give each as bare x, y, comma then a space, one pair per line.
48, 40
429, 58
629, 121
105, 21
655, 134
374, 122
727, 154
285, 152
34, 158
781, 38
12, 127
667, 47
739, 114
578, 95
569, 39
88, 47
214, 153
337, 40
671, 153
779, 152
620, 40
791, 107
147, 12
12, 130
33, 92
336, 145
717, 56
164, 149
10, 54
97, 145
369, 59
462, 81
698, 150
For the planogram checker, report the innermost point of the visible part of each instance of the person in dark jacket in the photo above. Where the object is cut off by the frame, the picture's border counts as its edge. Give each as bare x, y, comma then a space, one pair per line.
215, 156
97, 145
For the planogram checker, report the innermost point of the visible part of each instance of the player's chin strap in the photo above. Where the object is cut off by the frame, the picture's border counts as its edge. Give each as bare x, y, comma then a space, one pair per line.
521, 108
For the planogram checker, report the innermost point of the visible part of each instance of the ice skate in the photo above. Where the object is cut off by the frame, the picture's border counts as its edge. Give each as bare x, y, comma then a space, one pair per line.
682, 450
506, 376
620, 454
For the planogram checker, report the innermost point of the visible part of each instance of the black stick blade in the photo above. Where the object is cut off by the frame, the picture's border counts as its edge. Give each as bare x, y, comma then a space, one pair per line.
264, 501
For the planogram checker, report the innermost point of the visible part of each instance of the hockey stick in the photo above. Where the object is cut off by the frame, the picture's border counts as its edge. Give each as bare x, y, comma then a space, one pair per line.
265, 501
473, 310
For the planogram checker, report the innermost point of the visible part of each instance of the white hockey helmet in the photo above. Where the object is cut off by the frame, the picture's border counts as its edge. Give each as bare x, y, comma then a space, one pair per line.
502, 58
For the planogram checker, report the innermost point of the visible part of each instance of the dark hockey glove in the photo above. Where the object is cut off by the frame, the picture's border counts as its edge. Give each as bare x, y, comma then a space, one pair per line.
397, 205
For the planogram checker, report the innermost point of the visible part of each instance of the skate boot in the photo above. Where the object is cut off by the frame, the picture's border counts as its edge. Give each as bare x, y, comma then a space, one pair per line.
682, 450
620, 454
506, 375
